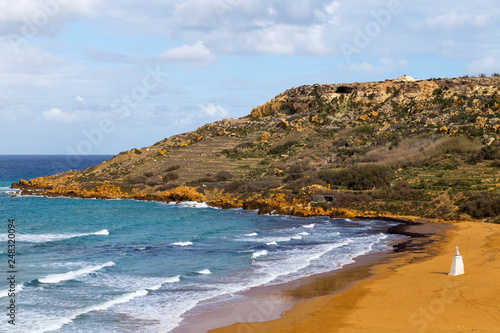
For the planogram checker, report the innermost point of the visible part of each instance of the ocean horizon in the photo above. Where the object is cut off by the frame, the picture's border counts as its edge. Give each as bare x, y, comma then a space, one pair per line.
88, 265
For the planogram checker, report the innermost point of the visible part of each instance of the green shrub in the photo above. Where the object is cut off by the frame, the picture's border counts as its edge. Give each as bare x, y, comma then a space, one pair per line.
206, 179
242, 186
487, 153
283, 149
364, 129
453, 183
247, 144
223, 176
154, 182
481, 206
138, 180
149, 174
173, 168
170, 176
303, 182
458, 145
346, 199
359, 178
400, 191
296, 171
166, 187
257, 172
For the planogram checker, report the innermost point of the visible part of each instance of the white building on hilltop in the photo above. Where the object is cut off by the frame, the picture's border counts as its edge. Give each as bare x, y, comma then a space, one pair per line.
406, 78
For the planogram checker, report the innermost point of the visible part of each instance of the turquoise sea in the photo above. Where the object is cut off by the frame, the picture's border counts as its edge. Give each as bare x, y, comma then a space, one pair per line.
129, 266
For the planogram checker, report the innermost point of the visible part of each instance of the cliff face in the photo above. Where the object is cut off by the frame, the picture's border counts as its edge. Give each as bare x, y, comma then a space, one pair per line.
430, 134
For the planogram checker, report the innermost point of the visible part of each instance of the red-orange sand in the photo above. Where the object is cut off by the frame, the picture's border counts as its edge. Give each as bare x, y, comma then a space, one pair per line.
412, 293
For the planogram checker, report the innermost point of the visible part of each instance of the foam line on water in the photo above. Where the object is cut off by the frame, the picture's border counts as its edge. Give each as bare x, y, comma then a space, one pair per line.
43, 238
259, 253
204, 272
125, 298
193, 204
6, 292
71, 275
182, 244
173, 279
296, 261
271, 239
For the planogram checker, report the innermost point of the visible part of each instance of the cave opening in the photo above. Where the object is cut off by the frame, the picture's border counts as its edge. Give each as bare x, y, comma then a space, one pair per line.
344, 90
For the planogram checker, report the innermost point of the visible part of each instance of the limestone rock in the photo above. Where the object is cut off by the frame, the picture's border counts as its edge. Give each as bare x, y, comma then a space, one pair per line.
265, 136
283, 124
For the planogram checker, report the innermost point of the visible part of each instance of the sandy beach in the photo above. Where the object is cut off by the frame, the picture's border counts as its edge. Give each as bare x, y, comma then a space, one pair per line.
411, 293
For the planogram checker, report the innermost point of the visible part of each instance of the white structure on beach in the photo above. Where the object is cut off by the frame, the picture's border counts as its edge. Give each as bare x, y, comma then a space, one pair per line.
457, 265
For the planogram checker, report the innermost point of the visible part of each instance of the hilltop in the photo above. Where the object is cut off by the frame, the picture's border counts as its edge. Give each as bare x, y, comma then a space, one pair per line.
424, 148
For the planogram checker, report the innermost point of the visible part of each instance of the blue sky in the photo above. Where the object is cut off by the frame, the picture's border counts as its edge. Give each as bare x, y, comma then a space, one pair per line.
101, 77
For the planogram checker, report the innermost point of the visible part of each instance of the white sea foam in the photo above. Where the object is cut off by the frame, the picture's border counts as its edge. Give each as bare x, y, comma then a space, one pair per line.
253, 234
56, 278
259, 253
42, 238
114, 280
205, 272
6, 292
194, 204
8, 190
271, 239
305, 233
309, 225
297, 260
182, 243
61, 322
273, 243
125, 298
173, 279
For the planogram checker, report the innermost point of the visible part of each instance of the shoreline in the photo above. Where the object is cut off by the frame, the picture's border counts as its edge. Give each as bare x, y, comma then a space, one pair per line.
411, 293
268, 303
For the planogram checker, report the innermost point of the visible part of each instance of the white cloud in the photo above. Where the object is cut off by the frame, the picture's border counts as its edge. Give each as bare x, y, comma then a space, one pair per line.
487, 65
14, 113
197, 53
213, 110
366, 67
80, 99
27, 58
454, 20
281, 39
34, 18
387, 65
329, 13
59, 116
332, 7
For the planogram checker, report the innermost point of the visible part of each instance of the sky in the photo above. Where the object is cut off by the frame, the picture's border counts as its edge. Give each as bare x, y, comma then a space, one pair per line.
100, 77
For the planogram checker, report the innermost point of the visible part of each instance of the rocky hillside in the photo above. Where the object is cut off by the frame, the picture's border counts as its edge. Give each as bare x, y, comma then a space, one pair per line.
425, 148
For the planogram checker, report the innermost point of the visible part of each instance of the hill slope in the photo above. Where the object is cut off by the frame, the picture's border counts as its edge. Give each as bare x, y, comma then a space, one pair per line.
425, 148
